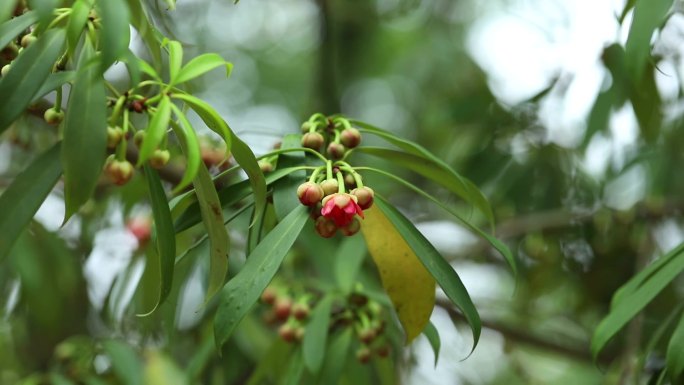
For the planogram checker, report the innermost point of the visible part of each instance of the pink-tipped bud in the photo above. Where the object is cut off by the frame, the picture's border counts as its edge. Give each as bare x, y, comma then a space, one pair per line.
282, 308
265, 166
325, 227
367, 335
364, 196
300, 311
310, 193
352, 228
349, 181
287, 332
336, 150
312, 140
268, 296
159, 158
364, 355
350, 137
114, 136
384, 351
119, 172
330, 186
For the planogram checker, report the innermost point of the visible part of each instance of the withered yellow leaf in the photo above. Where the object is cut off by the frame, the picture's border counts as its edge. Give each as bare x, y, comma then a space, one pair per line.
408, 284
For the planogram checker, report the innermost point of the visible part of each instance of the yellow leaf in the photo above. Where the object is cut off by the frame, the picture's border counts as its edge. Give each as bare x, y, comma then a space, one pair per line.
408, 284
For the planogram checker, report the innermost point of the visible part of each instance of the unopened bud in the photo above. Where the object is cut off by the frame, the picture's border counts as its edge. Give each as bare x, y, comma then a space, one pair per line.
325, 227
364, 354
300, 311
310, 193
330, 186
119, 172
52, 116
312, 140
350, 137
265, 166
336, 150
114, 136
159, 158
351, 228
364, 196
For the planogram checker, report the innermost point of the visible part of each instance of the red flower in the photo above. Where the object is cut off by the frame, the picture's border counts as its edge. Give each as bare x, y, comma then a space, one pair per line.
341, 208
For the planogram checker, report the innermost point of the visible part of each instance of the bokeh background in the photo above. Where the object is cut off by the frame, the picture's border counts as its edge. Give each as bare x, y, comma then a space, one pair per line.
521, 96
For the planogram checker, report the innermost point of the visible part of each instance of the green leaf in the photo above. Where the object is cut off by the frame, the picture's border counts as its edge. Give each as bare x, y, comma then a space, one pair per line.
44, 8
190, 146
21, 200
336, 357
175, 59
295, 370
149, 34
495, 243
10, 29
348, 260
125, 362
115, 34
6, 11
638, 292
316, 335
241, 152
165, 240
156, 129
133, 67
438, 267
85, 134
456, 183
397, 264
228, 196
432, 335
160, 369
147, 69
285, 190
241, 292
675, 353
77, 23
27, 75
648, 15
212, 216
54, 81
209, 116
199, 66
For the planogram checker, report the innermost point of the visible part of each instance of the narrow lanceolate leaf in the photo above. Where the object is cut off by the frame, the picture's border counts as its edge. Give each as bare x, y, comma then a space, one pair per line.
6, 10
54, 81
142, 24
191, 148
316, 335
285, 190
85, 134
675, 353
397, 264
240, 293
10, 29
160, 369
154, 134
648, 15
635, 295
432, 335
438, 267
495, 243
45, 10
199, 66
77, 22
212, 216
336, 357
209, 116
228, 196
348, 260
458, 184
175, 58
21, 200
165, 239
115, 34
125, 362
241, 152
33, 66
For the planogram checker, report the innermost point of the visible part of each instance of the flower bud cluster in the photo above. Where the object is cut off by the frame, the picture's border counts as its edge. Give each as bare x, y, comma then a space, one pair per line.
335, 191
288, 313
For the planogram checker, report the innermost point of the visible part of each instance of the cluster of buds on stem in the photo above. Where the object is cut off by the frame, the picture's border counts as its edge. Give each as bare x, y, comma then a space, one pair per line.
290, 314
335, 191
369, 322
